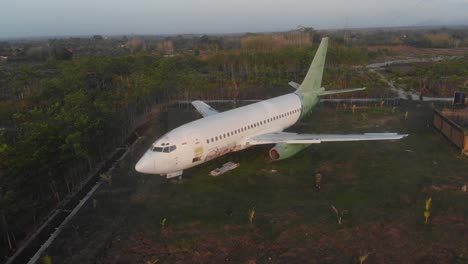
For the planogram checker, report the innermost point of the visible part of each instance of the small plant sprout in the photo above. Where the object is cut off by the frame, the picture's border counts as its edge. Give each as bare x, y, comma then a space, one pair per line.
393, 110
47, 259
106, 178
364, 116
353, 108
463, 188
163, 222
406, 115
318, 180
427, 211
339, 215
363, 258
95, 203
382, 103
152, 262
251, 214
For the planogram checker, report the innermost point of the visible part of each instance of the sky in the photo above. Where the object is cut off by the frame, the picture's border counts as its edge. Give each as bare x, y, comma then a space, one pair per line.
33, 18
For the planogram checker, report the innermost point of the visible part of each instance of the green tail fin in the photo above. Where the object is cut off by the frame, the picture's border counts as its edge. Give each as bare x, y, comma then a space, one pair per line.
311, 87
313, 80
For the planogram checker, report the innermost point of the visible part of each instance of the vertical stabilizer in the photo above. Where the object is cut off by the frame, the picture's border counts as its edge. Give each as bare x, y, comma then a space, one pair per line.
313, 79
311, 87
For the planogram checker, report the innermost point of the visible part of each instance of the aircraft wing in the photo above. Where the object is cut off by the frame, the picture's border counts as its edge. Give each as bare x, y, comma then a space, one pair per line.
328, 92
294, 138
204, 109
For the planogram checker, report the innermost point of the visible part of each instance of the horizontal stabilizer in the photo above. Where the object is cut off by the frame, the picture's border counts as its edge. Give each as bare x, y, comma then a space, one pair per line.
204, 109
329, 92
294, 138
294, 85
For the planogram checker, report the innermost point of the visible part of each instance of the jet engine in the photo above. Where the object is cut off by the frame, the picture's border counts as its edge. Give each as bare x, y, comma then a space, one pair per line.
284, 150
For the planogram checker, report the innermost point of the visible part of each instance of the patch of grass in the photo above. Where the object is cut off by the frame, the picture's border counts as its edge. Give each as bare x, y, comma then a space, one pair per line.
380, 184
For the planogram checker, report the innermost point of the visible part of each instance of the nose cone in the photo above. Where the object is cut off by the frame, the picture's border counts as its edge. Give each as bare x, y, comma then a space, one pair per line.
145, 165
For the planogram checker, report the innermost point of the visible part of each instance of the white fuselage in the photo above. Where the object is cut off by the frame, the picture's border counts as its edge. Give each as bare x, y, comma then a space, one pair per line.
216, 135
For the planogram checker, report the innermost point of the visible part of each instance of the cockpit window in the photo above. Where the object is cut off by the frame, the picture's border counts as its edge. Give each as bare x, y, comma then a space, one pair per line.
164, 150
156, 149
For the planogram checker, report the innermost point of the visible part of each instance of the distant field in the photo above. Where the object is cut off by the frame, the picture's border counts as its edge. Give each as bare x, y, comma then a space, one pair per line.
382, 185
400, 51
438, 79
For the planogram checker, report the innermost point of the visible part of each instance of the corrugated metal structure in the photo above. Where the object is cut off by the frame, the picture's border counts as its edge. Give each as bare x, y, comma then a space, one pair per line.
450, 124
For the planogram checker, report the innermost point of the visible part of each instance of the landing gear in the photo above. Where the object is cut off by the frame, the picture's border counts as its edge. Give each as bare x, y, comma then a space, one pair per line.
174, 174
175, 177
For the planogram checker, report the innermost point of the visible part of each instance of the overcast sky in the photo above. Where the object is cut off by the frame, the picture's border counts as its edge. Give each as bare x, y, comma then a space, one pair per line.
28, 18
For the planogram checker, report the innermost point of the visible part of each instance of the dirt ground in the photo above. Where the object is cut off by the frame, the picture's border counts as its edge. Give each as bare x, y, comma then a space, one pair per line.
380, 186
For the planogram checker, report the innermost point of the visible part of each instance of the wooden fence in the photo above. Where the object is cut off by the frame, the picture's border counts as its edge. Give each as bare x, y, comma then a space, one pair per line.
445, 124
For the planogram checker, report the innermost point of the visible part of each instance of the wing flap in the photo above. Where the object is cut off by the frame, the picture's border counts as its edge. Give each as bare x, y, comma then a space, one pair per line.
204, 109
294, 138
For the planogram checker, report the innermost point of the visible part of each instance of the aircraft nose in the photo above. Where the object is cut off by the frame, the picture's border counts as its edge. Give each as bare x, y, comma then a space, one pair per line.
145, 165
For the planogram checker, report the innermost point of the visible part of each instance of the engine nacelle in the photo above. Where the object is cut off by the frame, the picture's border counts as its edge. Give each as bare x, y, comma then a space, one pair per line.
284, 150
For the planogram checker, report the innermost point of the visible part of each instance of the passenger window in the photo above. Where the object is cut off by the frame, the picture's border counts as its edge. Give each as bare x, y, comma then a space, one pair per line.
212, 140
208, 141
216, 138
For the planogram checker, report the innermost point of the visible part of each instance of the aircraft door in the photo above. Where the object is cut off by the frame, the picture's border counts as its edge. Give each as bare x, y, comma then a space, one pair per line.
198, 149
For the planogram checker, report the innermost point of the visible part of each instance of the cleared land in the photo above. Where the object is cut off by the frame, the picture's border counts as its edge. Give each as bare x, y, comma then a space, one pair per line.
382, 185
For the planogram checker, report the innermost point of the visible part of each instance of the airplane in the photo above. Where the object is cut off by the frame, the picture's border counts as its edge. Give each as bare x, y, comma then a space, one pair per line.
219, 133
